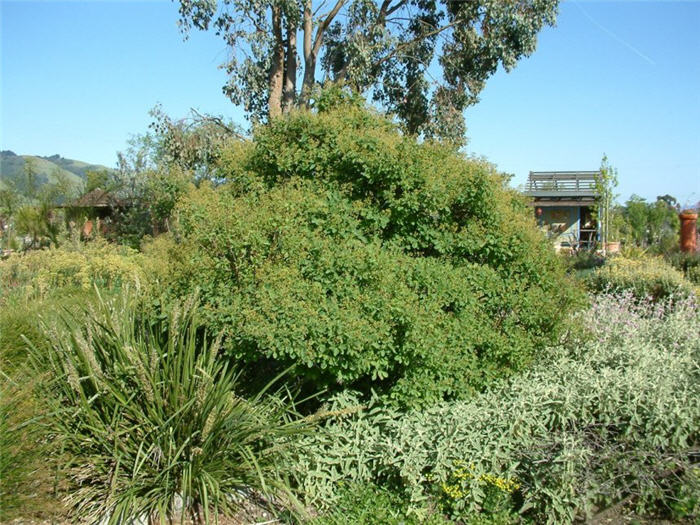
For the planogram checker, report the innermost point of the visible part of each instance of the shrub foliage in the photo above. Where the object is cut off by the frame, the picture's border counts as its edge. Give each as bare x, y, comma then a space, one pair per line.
73, 266
368, 260
605, 420
642, 276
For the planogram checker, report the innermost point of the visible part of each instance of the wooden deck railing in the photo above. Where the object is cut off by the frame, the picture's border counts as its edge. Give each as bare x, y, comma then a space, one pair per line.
570, 183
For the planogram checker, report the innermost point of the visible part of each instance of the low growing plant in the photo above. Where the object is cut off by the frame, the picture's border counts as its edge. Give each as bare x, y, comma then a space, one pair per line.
604, 420
689, 264
36, 274
369, 504
29, 481
643, 276
148, 415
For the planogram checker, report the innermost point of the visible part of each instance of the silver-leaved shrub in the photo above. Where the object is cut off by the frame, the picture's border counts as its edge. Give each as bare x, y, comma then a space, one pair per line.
606, 419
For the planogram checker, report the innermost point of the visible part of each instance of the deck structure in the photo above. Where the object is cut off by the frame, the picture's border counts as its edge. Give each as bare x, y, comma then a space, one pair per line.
564, 203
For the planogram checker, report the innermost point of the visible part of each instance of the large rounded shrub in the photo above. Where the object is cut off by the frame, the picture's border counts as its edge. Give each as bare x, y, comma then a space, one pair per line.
367, 259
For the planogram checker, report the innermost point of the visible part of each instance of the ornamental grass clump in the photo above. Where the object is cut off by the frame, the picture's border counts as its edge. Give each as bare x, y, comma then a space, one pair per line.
149, 417
27, 479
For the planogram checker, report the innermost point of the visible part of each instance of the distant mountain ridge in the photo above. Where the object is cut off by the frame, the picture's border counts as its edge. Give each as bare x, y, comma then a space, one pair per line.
47, 168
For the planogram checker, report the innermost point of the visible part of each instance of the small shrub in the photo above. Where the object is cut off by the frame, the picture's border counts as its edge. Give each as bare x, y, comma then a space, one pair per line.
38, 273
689, 264
499, 492
644, 277
583, 260
148, 415
369, 504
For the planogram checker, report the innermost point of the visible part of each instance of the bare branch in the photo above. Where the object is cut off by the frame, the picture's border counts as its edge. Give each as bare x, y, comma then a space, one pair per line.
217, 121
323, 26
399, 48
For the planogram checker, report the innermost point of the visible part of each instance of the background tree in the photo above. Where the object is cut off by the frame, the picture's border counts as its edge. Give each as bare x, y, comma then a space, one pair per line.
29, 183
37, 216
652, 224
606, 182
635, 214
156, 168
97, 179
663, 222
10, 200
424, 60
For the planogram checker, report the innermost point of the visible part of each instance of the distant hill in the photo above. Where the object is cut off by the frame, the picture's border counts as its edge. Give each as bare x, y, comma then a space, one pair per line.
47, 168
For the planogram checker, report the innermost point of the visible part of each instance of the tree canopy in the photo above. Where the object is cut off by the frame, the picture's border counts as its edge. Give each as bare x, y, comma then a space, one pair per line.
423, 60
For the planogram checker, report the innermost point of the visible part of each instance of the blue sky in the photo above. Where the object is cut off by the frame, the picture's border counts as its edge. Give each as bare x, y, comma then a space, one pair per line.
622, 78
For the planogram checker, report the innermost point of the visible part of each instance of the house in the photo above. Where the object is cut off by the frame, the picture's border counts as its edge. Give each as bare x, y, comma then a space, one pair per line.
564, 205
97, 203
94, 211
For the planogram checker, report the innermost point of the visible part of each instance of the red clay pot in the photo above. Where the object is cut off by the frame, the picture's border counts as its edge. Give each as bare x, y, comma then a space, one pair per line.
689, 220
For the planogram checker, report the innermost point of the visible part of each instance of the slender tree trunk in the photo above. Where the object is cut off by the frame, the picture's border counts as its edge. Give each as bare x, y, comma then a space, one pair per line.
311, 51
309, 58
290, 71
276, 78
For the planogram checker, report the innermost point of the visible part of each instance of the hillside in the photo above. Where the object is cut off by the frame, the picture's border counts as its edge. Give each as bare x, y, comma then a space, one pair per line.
47, 168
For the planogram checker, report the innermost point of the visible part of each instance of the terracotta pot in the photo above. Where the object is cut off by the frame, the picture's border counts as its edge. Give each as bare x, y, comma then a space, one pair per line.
689, 220
612, 247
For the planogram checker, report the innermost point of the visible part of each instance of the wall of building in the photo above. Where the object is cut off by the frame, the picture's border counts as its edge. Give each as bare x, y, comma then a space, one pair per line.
561, 223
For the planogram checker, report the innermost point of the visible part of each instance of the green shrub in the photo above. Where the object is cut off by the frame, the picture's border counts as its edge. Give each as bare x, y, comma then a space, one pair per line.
600, 422
368, 504
76, 266
644, 277
689, 264
367, 260
148, 415
583, 260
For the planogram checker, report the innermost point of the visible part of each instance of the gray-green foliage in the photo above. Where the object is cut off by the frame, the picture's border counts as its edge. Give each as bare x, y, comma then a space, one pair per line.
385, 47
602, 420
147, 414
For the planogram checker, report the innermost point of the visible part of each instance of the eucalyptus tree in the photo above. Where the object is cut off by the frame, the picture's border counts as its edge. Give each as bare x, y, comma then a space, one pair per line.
423, 60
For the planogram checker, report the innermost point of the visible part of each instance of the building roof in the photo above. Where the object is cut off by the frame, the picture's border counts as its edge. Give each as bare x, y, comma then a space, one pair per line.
553, 186
97, 198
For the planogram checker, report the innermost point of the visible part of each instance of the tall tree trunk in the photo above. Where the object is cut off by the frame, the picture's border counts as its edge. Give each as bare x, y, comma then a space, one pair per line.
290, 71
276, 79
311, 51
309, 58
